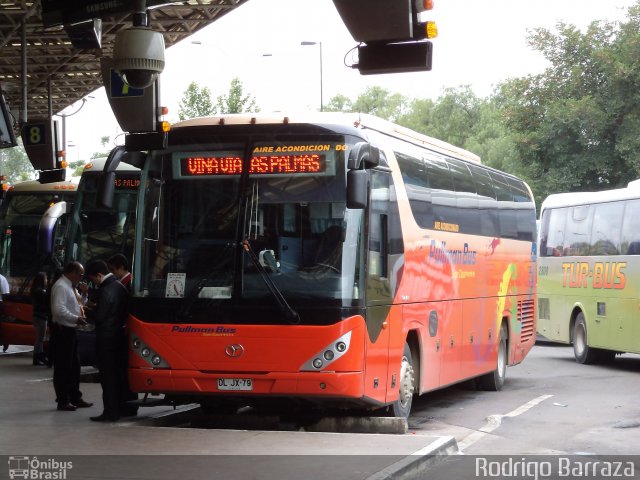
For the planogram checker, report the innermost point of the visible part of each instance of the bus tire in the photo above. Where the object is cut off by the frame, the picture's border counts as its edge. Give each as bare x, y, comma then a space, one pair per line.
407, 385
494, 381
581, 350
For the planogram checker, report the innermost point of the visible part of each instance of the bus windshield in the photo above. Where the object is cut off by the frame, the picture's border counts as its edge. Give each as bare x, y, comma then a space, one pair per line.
203, 222
98, 233
19, 217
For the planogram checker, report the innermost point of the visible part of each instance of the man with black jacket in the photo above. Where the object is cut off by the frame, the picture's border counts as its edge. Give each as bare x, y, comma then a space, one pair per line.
111, 343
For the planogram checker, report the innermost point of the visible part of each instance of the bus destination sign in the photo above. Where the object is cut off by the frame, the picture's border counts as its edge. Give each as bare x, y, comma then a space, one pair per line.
261, 164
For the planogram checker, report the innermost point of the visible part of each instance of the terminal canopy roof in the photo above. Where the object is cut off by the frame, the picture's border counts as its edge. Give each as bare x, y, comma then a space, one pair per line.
55, 65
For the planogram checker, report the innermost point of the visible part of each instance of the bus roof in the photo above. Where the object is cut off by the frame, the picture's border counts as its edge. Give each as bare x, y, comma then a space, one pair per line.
355, 120
97, 165
587, 198
31, 186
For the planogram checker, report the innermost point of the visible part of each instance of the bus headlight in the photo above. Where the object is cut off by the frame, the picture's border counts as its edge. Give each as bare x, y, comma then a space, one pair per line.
147, 354
330, 354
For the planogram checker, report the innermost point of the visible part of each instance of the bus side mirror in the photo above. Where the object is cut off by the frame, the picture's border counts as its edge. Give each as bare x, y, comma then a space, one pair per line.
357, 189
49, 226
106, 187
363, 152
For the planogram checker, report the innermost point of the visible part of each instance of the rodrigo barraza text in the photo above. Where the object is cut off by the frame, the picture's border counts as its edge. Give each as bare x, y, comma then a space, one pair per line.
564, 467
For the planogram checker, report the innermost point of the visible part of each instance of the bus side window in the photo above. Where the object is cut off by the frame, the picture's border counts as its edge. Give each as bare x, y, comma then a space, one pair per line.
578, 230
605, 231
555, 231
630, 234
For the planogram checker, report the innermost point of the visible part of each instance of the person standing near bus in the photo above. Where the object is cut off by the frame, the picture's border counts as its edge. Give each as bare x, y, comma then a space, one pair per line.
67, 314
119, 266
109, 316
40, 316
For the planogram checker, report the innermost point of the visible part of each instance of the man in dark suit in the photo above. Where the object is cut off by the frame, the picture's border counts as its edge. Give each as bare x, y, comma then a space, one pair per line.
111, 343
119, 266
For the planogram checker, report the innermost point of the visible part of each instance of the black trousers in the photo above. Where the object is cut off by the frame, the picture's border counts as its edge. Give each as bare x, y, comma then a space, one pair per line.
112, 362
66, 365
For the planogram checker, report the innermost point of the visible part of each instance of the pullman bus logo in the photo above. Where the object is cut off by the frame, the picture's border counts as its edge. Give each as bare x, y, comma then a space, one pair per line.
236, 350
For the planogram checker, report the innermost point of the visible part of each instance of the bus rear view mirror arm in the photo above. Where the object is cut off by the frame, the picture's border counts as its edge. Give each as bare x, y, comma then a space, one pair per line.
106, 187
363, 152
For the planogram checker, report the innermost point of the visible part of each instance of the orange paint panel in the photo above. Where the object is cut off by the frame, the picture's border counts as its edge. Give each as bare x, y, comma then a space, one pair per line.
19, 329
470, 283
21, 311
271, 356
309, 384
17, 334
377, 354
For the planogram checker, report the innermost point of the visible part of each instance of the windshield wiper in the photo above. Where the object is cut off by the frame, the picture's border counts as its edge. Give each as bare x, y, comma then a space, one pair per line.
291, 315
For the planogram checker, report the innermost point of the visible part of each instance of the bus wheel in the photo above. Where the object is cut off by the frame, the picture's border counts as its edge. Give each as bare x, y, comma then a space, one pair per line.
582, 351
402, 406
494, 381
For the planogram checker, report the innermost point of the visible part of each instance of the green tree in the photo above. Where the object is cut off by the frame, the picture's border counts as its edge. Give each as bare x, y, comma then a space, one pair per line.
104, 141
196, 102
576, 126
339, 103
380, 102
463, 119
15, 164
236, 101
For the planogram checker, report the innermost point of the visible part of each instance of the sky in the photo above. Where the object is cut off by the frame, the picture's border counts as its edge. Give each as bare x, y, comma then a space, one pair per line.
480, 43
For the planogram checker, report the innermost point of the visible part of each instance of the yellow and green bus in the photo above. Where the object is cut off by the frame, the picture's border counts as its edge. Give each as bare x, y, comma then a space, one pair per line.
589, 257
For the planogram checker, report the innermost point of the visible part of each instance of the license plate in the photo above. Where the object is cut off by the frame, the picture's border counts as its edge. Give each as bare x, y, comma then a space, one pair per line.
244, 384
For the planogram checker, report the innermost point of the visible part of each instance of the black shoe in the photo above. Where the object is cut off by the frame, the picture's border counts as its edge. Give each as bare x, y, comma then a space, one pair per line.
104, 418
37, 360
82, 404
5, 347
129, 412
66, 408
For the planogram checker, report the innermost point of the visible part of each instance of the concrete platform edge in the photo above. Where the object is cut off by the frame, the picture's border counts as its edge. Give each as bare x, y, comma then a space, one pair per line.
415, 465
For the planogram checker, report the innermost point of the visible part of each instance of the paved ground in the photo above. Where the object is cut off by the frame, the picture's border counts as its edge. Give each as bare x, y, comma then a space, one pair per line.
34, 431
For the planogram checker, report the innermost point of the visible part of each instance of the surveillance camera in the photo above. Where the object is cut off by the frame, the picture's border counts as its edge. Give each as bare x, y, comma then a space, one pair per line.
138, 56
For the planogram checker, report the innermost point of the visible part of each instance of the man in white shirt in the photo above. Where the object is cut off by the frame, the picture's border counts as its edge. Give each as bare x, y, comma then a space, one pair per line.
66, 315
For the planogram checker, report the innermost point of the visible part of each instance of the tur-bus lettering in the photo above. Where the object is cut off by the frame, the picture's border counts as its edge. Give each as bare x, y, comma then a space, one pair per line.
605, 275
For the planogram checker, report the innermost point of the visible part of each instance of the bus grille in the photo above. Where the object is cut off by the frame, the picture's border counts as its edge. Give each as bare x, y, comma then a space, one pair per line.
526, 318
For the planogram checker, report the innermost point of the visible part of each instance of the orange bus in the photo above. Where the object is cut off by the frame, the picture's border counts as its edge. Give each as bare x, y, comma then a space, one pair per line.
20, 215
334, 259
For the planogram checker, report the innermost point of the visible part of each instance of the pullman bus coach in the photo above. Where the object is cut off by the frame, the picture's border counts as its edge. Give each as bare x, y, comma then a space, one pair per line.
337, 260
20, 215
86, 231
